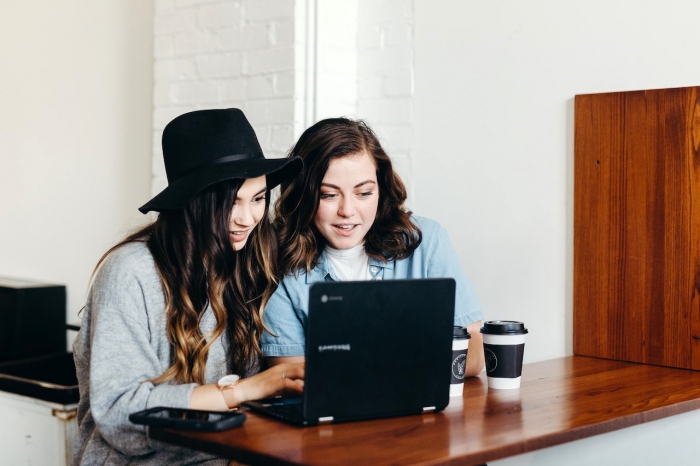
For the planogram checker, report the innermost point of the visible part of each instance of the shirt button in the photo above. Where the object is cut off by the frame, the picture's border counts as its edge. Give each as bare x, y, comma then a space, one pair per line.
373, 269
378, 278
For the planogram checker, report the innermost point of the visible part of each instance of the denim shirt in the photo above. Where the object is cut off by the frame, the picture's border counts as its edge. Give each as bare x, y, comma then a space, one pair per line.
287, 311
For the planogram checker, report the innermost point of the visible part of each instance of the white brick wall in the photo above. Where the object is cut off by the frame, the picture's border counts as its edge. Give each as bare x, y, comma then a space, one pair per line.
287, 64
225, 53
385, 78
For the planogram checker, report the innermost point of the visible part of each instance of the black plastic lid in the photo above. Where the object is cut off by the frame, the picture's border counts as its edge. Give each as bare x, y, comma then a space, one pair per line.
503, 327
460, 333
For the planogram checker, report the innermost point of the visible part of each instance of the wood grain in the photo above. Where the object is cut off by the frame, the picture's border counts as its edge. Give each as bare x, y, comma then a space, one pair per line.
559, 401
637, 227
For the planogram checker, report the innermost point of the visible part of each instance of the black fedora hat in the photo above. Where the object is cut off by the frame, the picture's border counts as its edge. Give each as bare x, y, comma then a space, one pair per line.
204, 147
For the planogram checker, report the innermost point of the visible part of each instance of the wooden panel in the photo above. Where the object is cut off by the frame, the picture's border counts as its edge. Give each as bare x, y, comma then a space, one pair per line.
560, 400
637, 227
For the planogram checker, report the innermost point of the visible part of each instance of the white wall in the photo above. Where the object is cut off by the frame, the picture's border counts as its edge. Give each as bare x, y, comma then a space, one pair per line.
494, 89
75, 134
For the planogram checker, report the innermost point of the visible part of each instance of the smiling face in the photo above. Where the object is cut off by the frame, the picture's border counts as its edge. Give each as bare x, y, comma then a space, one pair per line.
348, 200
247, 212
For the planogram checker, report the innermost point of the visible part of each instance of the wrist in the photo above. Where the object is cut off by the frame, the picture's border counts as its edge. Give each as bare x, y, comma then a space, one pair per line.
229, 388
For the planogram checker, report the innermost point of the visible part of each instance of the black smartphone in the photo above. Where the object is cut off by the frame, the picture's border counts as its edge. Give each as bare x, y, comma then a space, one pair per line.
190, 419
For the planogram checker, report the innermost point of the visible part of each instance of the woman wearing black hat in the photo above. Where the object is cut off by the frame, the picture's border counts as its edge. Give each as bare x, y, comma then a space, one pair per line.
174, 314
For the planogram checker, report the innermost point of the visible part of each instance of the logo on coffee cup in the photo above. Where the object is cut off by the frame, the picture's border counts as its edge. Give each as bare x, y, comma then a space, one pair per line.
490, 359
458, 366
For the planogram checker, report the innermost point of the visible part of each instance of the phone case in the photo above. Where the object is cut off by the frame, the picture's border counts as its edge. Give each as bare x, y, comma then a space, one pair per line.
195, 420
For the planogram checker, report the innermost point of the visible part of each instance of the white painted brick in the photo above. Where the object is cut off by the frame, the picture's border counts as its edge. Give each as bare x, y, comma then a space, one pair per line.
163, 115
331, 59
171, 22
397, 34
339, 10
338, 35
400, 162
186, 3
396, 139
161, 93
399, 83
338, 87
195, 42
163, 5
268, 61
369, 36
282, 138
270, 112
249, 37
261, 87
387, 111
264, 134
195, 92
220, 66
284, 84
387, 59
174, 70
219, 15
383, 11
234, 89
157, 164
158, 184
370, 86
282, 33
266, 10
163, 46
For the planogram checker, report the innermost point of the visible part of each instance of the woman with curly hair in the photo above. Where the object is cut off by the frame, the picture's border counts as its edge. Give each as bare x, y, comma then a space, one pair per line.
343, 218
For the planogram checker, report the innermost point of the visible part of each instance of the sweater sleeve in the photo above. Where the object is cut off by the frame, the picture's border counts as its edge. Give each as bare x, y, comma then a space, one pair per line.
125, 352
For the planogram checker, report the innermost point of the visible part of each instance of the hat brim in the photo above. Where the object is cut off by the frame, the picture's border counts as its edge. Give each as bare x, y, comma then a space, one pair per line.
181, 191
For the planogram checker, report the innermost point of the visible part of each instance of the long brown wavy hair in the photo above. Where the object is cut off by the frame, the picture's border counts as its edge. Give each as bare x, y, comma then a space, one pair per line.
198, 266
392, 236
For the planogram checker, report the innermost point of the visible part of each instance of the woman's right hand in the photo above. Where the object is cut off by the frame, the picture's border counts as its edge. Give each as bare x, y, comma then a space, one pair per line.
282, 378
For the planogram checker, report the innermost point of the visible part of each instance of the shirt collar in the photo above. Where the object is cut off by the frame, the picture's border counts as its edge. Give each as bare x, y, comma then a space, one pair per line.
324, 269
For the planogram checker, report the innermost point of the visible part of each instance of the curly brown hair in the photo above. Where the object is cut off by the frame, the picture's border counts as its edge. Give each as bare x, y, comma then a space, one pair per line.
392, 236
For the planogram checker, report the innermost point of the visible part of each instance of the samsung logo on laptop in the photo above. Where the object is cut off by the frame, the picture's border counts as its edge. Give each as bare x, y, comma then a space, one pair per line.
322, 348
325, 298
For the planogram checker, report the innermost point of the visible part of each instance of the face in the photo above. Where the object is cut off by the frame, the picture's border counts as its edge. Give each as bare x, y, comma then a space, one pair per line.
348, 200
247, 212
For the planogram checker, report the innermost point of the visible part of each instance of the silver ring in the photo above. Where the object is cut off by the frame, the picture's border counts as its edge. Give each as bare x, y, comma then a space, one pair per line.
284, 374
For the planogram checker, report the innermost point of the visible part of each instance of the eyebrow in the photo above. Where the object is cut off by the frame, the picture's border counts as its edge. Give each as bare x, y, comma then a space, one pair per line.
256, 194
328, 185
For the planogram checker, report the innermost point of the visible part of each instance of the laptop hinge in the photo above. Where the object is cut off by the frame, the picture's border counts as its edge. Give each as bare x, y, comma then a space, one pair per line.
428, 409
325, 420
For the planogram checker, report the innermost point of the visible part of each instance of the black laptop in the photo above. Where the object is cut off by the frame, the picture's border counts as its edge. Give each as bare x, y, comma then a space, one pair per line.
373, 349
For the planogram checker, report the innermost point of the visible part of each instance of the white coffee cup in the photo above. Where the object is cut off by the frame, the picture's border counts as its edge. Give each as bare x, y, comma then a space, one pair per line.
460, 346
504, 345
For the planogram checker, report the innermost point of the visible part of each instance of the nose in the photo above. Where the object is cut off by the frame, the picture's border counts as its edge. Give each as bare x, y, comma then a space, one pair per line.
346, 207
243, 215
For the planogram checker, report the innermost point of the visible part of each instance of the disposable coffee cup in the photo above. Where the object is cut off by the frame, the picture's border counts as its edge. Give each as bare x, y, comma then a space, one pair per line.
504, 346
460, 345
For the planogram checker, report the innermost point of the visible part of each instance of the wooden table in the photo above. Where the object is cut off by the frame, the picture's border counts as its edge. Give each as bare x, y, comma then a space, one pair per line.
559, 401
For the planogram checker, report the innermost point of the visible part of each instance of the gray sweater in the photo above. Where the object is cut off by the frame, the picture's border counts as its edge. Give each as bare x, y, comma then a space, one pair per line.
121, 345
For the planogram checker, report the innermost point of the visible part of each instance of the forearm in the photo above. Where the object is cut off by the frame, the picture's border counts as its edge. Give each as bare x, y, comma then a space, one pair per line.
209, 398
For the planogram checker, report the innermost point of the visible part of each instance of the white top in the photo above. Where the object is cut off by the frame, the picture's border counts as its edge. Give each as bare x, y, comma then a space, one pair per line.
349, 264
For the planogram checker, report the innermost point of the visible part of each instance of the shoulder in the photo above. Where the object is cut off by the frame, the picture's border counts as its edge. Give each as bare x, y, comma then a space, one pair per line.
428, 227
128, 260
127, 271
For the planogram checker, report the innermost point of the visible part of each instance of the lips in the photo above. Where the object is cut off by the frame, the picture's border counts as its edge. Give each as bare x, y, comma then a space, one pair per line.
238, 236
345, 230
